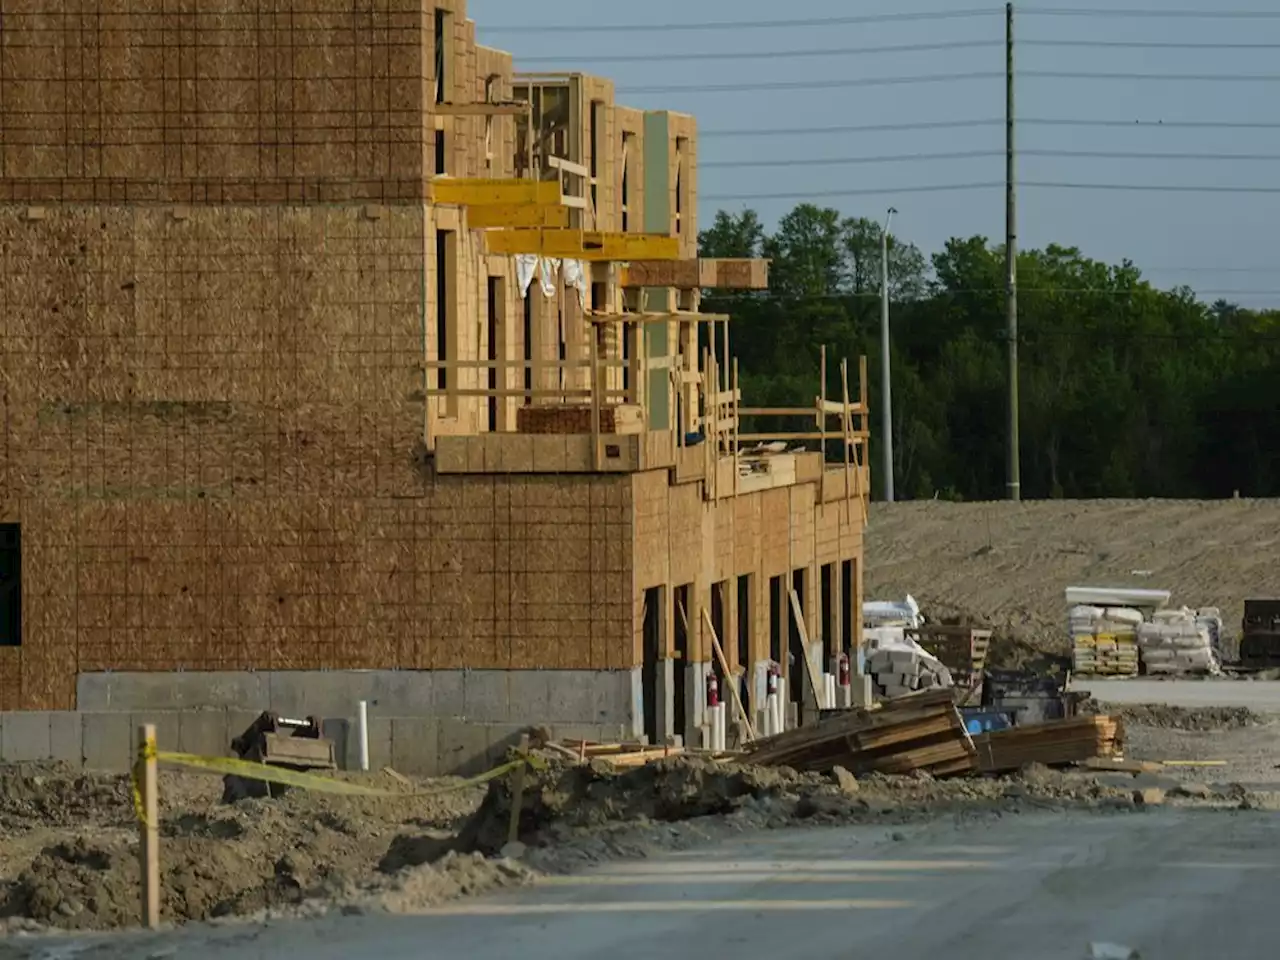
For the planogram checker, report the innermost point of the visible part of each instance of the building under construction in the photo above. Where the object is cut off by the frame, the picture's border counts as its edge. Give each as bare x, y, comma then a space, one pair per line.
343, 361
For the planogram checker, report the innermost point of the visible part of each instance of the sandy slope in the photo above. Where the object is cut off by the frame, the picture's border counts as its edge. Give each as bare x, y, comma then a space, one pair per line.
1010, 562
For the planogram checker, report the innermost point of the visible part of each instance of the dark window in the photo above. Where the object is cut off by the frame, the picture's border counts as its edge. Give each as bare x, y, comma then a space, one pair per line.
441, 52
10, 585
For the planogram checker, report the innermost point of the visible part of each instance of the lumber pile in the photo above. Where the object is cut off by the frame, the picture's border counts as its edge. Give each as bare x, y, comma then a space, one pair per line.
1053, 744
923, 731
622, 755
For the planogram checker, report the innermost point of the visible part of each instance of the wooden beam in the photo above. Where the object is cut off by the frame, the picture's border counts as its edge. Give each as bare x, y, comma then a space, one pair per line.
487, 192
511, 109
678, 316
583, 244
509, 216
568, 166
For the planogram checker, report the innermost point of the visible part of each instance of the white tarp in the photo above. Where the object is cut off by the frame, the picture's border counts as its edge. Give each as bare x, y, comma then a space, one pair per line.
898, 612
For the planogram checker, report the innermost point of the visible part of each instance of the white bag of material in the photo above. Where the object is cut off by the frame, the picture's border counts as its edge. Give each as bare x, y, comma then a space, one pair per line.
883, 612
1122, 615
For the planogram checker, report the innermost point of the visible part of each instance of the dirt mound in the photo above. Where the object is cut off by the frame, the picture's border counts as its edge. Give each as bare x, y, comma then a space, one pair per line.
80, 867
1008, 563
1200, 719
595, 794
51, 795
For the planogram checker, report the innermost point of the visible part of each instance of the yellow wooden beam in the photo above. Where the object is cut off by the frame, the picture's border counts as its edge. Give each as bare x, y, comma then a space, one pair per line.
584, 244
470, 193
513, 215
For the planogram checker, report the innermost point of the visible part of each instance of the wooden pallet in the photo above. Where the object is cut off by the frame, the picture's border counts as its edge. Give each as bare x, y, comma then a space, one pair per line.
919, 732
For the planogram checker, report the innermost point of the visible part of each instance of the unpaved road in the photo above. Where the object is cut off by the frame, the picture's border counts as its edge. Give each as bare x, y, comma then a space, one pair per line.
1260, 695
1177, 885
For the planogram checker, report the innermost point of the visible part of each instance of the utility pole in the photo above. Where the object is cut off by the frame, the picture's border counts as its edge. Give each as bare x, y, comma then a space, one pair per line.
886, 395
1011, 257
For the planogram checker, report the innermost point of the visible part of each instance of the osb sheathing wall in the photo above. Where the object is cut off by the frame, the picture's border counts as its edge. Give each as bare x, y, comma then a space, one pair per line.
681, 538
683, 159
507, 572
236, 89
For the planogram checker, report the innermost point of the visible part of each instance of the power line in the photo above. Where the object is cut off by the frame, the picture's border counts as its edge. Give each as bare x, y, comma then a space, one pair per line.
952, 78
770, 297
825, 194
842, 161
713, 55
991, 122
1138, 14
813, 84
972, 154
844, 128
957, 187
720, 25
1163, 77
771, 55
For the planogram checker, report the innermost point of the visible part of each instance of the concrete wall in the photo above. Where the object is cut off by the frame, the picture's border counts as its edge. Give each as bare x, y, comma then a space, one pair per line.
591, 697
416, 745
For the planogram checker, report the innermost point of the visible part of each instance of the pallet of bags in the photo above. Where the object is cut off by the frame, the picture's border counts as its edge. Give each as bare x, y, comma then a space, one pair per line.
1175, 643
1104, 641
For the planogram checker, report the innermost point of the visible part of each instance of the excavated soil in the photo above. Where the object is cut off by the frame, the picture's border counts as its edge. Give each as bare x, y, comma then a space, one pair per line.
68, 848
1008, 563
1201, 719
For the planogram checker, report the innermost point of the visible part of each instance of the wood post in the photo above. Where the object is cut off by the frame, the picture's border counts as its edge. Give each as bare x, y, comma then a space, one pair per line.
149, 827
517, 790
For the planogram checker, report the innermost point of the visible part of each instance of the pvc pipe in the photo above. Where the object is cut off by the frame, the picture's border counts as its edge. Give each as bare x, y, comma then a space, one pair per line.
780, 721
771, 715
831, 691
362, 734
721, 732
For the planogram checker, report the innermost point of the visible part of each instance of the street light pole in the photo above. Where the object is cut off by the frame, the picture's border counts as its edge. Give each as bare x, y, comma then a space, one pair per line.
886, 396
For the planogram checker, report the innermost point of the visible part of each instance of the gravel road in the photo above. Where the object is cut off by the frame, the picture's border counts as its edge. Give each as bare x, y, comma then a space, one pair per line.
1171, 883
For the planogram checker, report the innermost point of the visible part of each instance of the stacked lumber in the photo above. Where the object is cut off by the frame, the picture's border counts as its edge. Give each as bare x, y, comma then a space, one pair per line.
1053, 744
923, 731
622, 755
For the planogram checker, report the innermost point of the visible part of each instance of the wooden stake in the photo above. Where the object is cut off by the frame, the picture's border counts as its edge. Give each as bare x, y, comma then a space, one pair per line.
517, 791
149, 828
729, 678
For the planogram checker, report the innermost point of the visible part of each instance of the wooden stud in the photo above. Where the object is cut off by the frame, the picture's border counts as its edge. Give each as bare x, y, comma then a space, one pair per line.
815, 680
513, 109
149, 828
728, 674
517, 790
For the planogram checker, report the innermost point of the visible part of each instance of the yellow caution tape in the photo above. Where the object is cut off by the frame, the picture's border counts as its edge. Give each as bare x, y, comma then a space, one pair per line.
295, 778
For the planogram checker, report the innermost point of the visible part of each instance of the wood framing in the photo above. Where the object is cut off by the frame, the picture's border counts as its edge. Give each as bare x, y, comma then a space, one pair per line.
485, 192
582, 245
517, 216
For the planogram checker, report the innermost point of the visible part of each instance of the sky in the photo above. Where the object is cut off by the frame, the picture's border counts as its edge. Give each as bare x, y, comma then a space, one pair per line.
1220, 243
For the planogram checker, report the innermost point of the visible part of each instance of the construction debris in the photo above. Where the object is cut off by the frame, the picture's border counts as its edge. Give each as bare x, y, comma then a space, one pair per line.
1061, 742
923, 732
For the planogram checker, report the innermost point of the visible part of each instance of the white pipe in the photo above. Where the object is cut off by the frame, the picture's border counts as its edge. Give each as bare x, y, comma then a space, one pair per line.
829, 684
780, 721
722, 739
362, 734
770, 715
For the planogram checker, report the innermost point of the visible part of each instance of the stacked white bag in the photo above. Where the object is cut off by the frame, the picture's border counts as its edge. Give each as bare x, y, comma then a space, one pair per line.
1104, 641
1177, 642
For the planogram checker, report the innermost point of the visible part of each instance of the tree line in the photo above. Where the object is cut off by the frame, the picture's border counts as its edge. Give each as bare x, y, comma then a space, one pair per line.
1126, 390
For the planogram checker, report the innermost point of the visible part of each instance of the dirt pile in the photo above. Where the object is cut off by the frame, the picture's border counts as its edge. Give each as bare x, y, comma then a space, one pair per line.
1198, 719
1008, 563
576, 815
51, 795
80, 868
